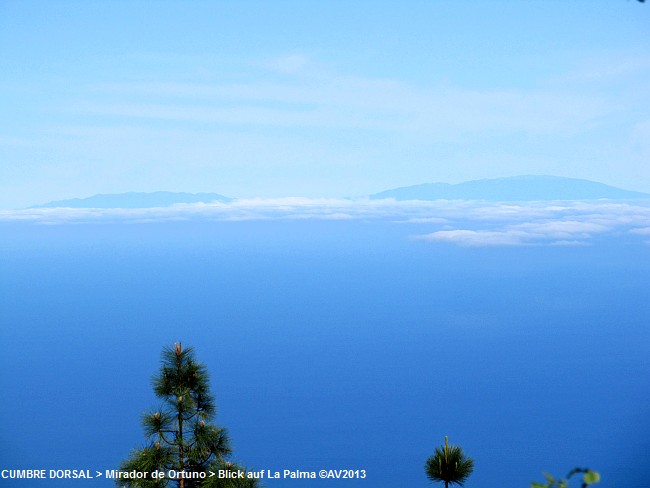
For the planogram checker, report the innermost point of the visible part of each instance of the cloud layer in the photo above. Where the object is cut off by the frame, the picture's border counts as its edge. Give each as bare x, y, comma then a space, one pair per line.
464, 223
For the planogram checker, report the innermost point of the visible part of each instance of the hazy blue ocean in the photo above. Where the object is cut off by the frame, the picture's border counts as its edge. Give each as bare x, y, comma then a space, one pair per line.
340, 344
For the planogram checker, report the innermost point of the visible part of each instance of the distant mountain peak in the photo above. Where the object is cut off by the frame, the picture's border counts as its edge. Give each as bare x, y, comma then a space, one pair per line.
512, 188
136, 200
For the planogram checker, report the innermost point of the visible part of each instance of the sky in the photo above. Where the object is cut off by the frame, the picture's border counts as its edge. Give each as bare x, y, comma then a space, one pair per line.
317, 99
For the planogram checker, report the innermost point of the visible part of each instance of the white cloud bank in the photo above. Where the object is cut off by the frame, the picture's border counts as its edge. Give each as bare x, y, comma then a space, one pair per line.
464, 223
563, 232
558, 223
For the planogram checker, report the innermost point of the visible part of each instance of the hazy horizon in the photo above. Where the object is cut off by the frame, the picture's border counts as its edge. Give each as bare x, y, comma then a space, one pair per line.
219, 196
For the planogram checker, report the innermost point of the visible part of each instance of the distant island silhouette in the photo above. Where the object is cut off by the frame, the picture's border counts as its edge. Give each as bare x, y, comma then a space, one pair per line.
514, 188
136, 200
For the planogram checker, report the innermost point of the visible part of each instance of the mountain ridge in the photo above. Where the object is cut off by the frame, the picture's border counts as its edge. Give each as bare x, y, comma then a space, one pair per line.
512, 188
136, 200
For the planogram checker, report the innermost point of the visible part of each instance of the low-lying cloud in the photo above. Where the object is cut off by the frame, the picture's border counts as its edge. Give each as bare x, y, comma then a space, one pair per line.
463, 223
562, 232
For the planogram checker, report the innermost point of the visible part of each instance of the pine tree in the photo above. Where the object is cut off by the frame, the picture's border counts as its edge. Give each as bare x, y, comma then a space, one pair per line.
449, 465
180, 434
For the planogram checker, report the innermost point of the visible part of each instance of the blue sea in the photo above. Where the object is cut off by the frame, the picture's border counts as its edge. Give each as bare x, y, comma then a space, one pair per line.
331, 345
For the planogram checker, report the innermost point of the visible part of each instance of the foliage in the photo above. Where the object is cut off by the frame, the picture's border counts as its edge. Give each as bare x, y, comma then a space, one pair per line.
449, 465
179, 433
589, 477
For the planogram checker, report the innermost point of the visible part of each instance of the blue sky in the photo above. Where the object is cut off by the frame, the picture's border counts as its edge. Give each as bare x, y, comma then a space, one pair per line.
317, 99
